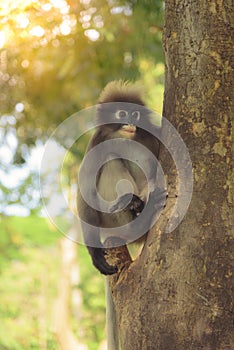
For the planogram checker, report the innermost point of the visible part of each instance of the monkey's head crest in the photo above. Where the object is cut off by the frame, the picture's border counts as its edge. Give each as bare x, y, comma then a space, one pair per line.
122, 91
121, 103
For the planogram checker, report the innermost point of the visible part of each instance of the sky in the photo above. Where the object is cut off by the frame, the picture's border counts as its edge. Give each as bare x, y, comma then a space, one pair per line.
12, 176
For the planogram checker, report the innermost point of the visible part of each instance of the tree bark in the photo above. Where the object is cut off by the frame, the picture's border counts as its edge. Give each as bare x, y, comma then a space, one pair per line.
179, 293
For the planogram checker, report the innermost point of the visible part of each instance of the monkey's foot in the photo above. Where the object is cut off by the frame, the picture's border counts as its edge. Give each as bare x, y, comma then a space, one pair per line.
99, 261
130, 202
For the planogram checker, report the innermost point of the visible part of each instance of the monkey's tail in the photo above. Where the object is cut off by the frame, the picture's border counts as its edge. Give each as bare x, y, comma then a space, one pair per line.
111, 321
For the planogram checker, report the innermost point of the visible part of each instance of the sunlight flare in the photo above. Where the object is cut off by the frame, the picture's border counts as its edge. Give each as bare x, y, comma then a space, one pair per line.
2, 39
37, 31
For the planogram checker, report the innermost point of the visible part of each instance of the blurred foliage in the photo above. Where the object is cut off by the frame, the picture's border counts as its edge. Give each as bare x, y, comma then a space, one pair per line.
18, 233
29, 263
94, 308
29, 271
55, 57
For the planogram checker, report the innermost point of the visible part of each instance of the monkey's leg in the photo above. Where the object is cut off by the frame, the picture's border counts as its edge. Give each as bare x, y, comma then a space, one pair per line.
98, 252
96, 249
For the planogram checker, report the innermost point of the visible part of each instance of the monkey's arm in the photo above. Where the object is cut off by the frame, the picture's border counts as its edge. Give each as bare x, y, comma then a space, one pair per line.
130, 202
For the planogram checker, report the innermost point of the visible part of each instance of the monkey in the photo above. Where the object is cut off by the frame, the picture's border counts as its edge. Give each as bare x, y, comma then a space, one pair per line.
123, 119
120, 166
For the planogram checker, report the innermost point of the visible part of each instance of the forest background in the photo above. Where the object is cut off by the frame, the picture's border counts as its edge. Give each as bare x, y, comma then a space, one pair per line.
55, 58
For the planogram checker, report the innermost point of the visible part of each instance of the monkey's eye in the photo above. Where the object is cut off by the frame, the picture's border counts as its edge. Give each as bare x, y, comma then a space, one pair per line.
121, 114
136, 115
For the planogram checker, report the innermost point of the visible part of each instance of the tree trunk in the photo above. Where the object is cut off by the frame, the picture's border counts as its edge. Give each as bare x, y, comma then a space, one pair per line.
179, 293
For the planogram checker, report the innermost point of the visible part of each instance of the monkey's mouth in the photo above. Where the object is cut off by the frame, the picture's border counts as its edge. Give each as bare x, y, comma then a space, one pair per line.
130, 129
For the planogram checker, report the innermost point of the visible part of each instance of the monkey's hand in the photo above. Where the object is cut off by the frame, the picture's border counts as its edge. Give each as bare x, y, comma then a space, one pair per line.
99, 261
130, 202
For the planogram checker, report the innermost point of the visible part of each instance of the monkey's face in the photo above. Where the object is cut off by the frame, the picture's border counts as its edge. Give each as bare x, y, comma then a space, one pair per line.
122, 119
130, 118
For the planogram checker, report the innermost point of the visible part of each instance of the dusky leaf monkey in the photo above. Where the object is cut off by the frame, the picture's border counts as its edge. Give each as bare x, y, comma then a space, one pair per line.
122, 118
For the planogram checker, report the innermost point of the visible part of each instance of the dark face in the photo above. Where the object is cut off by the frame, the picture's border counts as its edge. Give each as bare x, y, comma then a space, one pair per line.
122, 118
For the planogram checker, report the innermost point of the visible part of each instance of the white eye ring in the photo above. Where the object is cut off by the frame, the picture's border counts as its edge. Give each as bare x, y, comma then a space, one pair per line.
121, 114
136, 115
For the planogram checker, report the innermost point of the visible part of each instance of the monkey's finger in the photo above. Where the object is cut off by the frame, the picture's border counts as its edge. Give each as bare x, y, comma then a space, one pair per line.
114, 208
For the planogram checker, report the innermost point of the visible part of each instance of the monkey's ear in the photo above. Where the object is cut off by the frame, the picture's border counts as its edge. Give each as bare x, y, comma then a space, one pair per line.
123, 91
